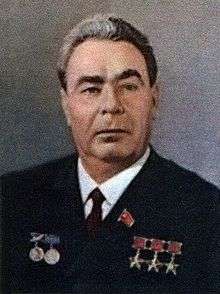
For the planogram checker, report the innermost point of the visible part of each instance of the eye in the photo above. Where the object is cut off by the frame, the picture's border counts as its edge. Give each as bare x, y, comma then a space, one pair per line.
130, 87
91, 90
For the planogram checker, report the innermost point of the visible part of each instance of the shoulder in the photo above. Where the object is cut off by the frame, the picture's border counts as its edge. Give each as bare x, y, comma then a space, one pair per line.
36, 176
183, 183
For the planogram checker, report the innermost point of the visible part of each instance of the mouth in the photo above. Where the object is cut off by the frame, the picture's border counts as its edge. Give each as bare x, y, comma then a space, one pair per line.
111, 131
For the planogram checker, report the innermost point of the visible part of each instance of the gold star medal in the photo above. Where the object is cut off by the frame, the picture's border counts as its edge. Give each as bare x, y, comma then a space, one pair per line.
175, 249
157, 246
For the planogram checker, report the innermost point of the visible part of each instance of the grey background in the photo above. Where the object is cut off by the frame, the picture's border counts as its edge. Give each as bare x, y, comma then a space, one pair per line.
185, 35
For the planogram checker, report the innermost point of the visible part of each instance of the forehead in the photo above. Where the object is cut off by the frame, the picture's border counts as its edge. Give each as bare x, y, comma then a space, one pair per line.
104, 57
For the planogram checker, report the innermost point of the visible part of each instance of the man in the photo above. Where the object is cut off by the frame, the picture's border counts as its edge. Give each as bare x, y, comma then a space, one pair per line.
116, 217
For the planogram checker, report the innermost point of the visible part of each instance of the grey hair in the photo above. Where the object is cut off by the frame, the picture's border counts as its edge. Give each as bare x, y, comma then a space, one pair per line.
107, 27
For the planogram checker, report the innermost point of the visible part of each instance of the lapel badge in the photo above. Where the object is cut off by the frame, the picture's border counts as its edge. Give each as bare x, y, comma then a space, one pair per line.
52, 256
126, 218
156, 246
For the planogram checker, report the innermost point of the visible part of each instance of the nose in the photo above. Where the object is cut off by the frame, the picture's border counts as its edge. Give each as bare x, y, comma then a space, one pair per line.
111, 102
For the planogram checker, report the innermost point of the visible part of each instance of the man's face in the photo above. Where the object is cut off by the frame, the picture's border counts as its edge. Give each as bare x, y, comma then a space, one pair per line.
109, 103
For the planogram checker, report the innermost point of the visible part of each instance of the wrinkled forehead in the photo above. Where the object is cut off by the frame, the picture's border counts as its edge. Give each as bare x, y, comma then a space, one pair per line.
105, 58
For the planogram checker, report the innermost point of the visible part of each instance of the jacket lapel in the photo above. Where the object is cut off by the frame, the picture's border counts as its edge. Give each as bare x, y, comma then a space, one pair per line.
67, 187
70, 215
139, 194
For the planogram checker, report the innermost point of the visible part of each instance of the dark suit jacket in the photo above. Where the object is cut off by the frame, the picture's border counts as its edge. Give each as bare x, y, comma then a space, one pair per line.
166, 201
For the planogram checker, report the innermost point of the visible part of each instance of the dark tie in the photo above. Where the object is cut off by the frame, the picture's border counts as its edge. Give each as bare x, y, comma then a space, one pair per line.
94, 219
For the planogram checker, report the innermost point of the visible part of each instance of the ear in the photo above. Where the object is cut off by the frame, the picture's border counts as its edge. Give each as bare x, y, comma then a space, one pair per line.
65, 106
155, 97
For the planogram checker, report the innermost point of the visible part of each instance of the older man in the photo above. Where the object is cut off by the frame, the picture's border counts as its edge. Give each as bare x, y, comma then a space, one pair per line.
116, 217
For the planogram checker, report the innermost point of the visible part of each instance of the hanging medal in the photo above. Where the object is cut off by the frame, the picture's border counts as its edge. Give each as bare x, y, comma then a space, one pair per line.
36, 254
138, 244
52, 256
156, 247
174, 248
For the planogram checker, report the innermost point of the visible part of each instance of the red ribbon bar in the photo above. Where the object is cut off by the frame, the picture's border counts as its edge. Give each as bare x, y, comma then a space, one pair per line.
174, 247
139, 243
157, 245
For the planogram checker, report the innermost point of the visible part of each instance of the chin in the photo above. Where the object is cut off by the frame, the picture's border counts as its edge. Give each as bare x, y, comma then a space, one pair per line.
112, 153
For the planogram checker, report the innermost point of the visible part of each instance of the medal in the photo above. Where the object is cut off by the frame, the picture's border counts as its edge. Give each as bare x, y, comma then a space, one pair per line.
154, 264
175, 249
36, 253
171, 266
52, 256
156, 246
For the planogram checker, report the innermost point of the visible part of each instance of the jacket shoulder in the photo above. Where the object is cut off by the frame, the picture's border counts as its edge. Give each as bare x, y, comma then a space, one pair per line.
37, 175
185, 182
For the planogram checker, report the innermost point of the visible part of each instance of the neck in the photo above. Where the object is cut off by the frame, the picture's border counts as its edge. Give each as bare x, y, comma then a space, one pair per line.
101, 170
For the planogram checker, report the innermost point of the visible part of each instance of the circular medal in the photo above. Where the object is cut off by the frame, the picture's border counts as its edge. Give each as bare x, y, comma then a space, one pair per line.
52, 256
36, 253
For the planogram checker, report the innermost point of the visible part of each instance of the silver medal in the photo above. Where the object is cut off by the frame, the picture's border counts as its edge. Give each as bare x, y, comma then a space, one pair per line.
36, 254
52, 256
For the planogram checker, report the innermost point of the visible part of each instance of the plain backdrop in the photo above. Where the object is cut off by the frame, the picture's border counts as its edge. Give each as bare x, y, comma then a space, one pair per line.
185, 36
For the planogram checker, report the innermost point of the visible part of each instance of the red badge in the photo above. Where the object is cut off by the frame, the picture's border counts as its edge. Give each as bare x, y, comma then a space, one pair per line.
126, 218
157, 245
174, 247
139, 243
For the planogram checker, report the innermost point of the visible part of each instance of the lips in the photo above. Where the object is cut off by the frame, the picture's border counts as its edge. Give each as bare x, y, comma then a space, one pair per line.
111, 131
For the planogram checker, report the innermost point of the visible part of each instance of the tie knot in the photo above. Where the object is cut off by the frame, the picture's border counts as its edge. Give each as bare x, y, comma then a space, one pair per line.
97, 197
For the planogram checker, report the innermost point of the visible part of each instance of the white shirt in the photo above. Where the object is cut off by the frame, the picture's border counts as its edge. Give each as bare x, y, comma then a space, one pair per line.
112, 189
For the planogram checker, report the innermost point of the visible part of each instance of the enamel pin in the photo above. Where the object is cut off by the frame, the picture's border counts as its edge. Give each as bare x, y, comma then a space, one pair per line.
126, 218
157, 247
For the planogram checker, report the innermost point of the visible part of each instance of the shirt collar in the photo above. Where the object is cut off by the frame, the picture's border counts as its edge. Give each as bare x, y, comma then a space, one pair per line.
113, 188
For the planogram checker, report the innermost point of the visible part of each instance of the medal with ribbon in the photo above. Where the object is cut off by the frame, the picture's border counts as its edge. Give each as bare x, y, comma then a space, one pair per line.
156, 246
173, 248
52, 255
36, 253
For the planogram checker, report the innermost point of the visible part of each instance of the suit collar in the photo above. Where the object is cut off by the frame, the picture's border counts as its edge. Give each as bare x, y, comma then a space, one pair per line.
137, 191
66, 184
114, 187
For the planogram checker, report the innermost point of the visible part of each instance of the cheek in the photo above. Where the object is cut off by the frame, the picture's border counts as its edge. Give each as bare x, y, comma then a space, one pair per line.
140, 112
81, 117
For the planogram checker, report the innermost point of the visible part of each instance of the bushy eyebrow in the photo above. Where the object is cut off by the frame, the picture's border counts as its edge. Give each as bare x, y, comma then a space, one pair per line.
96, 79
129, 73
89, 79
